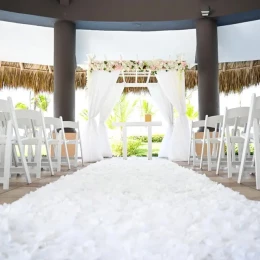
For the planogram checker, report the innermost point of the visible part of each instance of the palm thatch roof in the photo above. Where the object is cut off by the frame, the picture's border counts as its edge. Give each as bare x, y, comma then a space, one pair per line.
233, 77
38, 78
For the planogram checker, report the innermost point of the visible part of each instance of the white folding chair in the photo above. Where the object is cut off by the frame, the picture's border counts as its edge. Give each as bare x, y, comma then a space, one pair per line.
76, 141
193, 140
236, 118
214, 122
35, 135
56, 138
253, 122
8, 123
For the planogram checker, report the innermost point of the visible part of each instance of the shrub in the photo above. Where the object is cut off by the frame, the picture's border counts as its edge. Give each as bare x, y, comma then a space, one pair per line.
144, 139
132, 147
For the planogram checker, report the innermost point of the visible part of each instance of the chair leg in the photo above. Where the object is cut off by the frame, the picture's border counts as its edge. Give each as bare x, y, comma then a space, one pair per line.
189, 152
76, 155
7, 160
81, 153
38, 159
58, 157
202, 153
257, 153
220, 156
67, 154
49, 157
229, 159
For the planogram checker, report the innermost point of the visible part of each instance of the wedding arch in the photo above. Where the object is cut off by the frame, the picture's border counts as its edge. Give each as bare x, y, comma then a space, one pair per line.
168, 93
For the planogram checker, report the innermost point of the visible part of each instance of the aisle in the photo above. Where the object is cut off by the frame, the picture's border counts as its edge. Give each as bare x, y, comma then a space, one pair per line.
127, 210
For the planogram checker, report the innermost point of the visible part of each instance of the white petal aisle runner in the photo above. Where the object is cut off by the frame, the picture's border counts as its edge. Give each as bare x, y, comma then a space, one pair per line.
127, 210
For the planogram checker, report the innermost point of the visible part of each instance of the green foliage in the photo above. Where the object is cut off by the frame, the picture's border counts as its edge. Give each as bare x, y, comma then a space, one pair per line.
146, 108
144, 139
84, 114
251, 149
122, 111
41, 101
132, 147
191, 113
21, 105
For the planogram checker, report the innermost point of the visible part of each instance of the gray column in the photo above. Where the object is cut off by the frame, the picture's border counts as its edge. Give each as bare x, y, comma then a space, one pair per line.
64, 70
207, 59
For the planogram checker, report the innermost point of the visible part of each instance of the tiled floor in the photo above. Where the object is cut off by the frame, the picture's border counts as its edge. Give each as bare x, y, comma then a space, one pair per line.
19, 187
247, 187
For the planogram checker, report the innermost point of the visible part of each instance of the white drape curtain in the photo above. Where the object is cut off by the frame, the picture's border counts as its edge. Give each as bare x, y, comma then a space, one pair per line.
166, 108
173, 85
99, 85
112, 97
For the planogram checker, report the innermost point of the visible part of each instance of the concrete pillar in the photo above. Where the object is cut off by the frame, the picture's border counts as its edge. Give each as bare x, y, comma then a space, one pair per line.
208, 72
64, 69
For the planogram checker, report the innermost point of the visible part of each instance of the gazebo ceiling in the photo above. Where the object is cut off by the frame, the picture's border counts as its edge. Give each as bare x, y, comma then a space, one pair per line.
233, 77
140, 15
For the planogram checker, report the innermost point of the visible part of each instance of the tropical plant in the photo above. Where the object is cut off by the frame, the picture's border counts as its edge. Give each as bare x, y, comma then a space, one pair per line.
84, 114
21, 105
190, 111
146, 108
122, 111
41, 101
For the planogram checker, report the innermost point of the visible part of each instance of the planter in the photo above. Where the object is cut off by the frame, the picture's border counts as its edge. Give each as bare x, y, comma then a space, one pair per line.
148, 118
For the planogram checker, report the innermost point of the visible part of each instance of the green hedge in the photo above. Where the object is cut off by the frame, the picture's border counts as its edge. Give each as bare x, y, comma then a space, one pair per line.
144, 138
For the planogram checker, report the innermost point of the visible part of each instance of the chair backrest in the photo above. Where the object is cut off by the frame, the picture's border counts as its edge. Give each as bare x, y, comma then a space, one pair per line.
29, 117
8, 113
31, 121
197, 124
238, 116
71, 125
53, 123
255, 106
214, 121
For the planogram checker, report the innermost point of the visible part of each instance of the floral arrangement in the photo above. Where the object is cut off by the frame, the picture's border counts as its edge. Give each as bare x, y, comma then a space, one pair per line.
132, 65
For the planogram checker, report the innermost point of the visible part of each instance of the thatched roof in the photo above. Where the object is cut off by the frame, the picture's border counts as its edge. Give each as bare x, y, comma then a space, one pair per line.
38, 78
233, 77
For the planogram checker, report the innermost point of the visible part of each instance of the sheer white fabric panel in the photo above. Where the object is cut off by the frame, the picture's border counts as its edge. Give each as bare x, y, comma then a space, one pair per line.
99, 86
115, 91
173, 85
165, 106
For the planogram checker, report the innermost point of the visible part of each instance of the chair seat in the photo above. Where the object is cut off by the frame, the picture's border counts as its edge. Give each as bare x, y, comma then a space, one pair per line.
237, 139
72, 141
55, 141
214, 140
30, 141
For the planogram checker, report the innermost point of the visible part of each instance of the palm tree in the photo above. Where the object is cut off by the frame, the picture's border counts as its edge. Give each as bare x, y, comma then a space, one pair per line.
84, 114
41, 101
146, 108
121, 112
190, 111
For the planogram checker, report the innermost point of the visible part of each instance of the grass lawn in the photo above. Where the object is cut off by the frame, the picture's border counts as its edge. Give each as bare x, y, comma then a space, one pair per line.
143, 149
